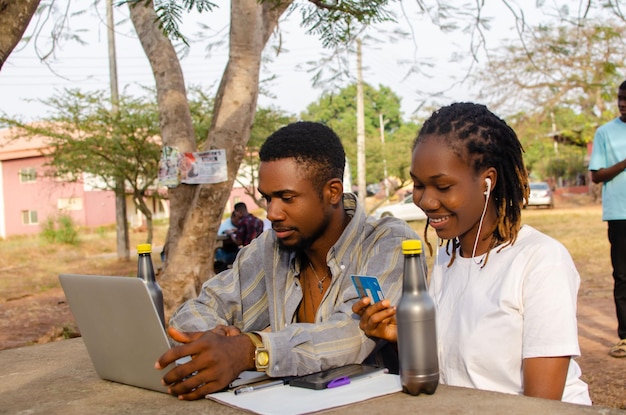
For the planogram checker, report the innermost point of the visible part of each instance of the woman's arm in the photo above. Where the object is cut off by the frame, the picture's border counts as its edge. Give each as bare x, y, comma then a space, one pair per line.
544, 377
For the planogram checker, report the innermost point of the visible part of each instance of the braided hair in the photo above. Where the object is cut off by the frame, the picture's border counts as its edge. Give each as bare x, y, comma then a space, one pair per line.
314, 145
484, 140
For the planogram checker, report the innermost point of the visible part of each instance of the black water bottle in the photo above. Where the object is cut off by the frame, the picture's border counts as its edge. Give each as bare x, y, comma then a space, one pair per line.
417, 334
145, 271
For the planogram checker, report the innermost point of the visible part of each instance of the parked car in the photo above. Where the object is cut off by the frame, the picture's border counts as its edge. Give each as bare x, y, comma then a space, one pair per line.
405, 209
541, 195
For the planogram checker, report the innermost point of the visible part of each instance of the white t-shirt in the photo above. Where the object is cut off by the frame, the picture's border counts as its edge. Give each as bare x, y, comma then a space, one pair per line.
521, 304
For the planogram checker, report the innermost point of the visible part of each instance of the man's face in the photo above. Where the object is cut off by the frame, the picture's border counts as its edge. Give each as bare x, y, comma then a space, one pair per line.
237, 215
621, 103
299, 218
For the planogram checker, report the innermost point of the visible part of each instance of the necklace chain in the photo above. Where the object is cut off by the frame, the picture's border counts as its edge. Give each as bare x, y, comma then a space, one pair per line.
320, 283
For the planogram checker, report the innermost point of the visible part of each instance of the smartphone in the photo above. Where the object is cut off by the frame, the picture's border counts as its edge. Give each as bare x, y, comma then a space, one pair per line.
367, 286
337, 376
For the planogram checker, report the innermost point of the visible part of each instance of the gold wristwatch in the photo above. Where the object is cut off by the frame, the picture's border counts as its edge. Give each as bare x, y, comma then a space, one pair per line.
261, 354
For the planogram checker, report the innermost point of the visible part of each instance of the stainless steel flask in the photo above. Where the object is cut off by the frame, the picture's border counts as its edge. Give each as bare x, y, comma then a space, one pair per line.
417, 334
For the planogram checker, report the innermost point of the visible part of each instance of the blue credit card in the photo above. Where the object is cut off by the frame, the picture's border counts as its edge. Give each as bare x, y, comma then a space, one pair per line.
367, 286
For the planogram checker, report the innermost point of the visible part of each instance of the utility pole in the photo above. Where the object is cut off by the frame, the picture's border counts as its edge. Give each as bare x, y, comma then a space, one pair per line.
382, 141
121, 224
554, 133
360, 128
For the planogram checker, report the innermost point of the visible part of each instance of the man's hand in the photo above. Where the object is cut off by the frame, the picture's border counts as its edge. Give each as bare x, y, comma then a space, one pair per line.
224, 330
217, 358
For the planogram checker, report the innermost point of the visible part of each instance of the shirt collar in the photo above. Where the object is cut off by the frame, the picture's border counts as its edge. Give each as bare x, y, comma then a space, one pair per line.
354, 209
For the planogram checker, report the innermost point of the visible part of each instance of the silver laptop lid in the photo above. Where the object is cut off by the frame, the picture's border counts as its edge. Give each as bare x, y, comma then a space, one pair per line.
119, 326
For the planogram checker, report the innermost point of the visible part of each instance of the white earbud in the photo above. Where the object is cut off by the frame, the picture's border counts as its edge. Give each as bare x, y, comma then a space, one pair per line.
482, 217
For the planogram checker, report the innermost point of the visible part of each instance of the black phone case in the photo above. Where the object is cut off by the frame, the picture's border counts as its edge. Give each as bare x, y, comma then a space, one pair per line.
320, 380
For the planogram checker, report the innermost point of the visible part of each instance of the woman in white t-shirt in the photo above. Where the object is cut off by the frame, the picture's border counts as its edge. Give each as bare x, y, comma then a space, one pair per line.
505, 293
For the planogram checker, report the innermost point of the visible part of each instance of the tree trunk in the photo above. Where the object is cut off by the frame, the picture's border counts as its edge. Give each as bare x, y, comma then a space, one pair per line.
122, 241
174, 116
196, 211
14, 19
140, 204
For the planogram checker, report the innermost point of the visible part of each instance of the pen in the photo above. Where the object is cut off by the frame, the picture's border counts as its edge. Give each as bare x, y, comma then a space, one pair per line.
244, 389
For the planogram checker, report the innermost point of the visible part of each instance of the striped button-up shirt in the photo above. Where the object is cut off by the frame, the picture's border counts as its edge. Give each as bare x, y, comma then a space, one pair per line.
262, 292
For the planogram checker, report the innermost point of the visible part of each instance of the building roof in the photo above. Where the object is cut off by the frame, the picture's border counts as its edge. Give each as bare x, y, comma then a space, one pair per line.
13, 147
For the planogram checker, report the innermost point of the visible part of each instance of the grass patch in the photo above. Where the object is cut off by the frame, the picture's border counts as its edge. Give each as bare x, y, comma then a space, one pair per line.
31, 264
28, 264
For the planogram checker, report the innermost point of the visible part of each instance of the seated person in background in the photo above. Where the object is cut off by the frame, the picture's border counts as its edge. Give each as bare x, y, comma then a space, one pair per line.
287, 300
248, 226
505, 293
228, 224
226, 254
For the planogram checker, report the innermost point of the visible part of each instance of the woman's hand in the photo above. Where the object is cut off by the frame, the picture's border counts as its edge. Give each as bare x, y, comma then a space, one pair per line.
377, 320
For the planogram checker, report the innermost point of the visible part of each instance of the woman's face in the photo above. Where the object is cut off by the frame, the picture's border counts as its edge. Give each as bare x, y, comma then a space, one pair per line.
451, 194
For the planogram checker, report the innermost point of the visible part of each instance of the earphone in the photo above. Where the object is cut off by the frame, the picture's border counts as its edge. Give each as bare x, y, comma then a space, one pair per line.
482, 217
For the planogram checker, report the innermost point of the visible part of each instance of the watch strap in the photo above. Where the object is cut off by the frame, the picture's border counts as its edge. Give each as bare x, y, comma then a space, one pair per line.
261, 355
255, 339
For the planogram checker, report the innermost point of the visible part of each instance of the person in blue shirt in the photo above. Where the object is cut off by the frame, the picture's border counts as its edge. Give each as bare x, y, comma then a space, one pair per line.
226, 254
228, 224
608, 166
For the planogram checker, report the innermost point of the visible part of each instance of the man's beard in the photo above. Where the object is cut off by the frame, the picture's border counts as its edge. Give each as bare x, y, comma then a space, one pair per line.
306, 242
300, 246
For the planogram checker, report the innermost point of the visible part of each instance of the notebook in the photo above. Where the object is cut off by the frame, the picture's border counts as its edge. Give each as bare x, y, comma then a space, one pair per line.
119, 326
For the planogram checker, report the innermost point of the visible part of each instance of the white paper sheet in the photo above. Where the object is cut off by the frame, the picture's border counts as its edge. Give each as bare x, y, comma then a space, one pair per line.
287, 400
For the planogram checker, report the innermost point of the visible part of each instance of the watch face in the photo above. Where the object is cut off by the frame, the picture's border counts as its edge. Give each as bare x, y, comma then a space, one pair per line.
262, 358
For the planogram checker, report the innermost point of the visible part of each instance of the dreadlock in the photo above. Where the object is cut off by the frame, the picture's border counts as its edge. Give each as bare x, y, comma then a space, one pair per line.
314, 145
483, 139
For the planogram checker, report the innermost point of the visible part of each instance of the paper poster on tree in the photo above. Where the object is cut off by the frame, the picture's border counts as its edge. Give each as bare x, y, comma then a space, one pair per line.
192, 168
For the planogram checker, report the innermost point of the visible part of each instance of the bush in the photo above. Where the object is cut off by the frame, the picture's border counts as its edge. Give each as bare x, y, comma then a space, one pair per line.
62, 230
48, 232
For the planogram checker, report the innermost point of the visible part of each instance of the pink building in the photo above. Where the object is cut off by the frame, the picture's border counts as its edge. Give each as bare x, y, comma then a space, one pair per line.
29, 197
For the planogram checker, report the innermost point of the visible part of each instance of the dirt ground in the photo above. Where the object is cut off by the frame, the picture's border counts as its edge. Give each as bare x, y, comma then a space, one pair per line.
44, 317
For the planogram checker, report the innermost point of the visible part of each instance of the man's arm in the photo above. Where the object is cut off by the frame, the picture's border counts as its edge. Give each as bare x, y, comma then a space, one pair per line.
240, 235
208, 329
233, 237
217, 358
608, 173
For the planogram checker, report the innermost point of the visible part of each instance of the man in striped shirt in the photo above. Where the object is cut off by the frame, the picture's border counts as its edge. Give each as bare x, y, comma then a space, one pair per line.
285, 306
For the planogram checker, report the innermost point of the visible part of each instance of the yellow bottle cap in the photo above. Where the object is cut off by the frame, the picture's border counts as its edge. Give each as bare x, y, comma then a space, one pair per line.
412, 247
144, 248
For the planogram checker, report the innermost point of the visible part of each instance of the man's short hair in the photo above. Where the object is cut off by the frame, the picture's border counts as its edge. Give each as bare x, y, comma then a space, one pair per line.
241, 207
623, 85
314, 145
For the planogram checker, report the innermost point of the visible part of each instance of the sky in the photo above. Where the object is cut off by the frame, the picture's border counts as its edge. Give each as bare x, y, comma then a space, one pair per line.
24, 79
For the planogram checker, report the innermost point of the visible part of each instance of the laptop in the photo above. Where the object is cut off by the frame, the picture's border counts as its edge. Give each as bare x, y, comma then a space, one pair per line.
119, 326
